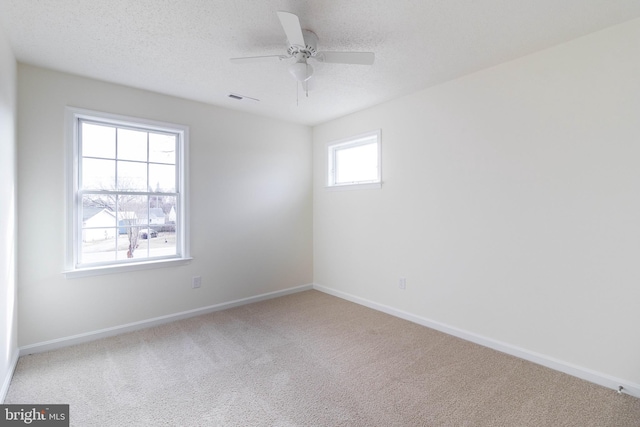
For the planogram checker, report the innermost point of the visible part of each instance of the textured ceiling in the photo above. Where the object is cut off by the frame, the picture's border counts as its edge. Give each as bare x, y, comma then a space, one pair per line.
182, 48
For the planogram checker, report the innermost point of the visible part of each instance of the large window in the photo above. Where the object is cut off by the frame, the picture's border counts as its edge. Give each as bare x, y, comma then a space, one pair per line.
127, 188
355, 162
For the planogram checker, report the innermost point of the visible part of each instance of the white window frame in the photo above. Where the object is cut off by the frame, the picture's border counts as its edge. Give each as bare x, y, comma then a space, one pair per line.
351, 142
73, 117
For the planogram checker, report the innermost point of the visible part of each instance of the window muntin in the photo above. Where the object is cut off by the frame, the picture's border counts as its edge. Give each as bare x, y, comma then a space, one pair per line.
354, 161
128, 186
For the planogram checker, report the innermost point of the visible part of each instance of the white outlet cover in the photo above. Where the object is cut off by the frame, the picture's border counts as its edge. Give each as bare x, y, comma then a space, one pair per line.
196, 282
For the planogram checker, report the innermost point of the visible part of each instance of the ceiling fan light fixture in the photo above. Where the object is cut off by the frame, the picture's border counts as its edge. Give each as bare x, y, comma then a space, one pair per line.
301, 71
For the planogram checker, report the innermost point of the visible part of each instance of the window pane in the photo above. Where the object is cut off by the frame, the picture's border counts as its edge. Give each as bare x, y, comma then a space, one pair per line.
162, 178
98, 174
132, 176
98, 141
356, 164
169, 206
132, 219
99, 201
162, 148
129, 247
132, 210
132, 145
98, 250
164, 244
97, 214
98, 244
158, 242
163, 220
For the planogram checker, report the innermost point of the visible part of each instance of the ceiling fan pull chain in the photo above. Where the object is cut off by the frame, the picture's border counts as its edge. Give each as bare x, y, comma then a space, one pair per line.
306, 86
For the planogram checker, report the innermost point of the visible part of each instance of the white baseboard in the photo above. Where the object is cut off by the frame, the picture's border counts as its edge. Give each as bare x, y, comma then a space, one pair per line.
13, 362
130, 327
540, 359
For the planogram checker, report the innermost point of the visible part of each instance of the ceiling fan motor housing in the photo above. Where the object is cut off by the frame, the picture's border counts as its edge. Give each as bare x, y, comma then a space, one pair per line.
310, 48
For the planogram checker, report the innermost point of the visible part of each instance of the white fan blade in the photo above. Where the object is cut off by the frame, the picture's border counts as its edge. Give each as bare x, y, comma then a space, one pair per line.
268, 58
293, 30
360, 58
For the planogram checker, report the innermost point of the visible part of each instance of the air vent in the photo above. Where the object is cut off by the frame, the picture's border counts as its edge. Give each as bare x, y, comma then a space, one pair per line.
238, 97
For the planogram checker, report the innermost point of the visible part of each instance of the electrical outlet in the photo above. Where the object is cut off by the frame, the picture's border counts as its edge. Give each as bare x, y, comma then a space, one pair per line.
402, 283
196, 282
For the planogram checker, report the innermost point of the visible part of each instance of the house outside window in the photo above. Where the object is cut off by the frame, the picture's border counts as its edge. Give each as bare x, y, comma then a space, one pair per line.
127, 194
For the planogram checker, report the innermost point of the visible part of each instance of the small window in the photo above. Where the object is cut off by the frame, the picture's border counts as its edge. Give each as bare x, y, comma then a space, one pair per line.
127, 204
355, 162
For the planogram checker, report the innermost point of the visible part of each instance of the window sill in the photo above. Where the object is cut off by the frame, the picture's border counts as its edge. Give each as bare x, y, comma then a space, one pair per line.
123, 268
346, 187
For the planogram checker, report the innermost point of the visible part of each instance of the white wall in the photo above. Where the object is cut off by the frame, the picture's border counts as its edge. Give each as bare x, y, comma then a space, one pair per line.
8, 302
511, 203
251, 223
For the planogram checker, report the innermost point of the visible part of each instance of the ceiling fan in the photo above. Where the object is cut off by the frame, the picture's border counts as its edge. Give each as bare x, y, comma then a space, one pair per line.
302, 46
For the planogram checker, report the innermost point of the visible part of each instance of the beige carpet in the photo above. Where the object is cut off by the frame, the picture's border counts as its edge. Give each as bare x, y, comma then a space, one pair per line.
307, 359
